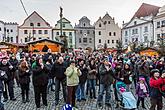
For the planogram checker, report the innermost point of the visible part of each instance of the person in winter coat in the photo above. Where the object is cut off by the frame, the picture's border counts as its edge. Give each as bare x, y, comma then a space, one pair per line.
106, 79
40, 81
92, 78
141, 91
72, 73
155, 95
127, 75
9, 83
57, 71
81, 87
24, 80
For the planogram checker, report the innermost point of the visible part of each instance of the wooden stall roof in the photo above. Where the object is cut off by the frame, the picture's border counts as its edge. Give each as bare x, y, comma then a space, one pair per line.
43, 40
13, 44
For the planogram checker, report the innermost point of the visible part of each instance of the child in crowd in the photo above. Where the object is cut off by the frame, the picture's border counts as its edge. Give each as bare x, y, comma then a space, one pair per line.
141, 91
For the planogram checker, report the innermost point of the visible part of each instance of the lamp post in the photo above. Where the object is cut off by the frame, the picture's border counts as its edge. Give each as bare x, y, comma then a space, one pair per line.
162, 41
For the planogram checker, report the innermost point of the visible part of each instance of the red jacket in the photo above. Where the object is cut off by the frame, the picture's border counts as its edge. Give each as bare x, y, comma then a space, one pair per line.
157, 83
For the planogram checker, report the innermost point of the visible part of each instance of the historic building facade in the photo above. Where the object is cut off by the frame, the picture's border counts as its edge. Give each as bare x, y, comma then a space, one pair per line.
85, 34
34, 28
159, 25
67, 31
8, 32
140, 29
107, 32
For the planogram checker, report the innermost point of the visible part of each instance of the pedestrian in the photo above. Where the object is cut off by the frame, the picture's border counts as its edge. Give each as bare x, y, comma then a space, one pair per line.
106, 79
142, 91
80, 93
92, 78
9, 83
40, 81
57, 71
127, 75
72, 73
155, 95
24, 80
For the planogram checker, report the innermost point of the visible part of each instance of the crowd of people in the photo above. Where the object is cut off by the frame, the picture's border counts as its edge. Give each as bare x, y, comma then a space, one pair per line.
79, 74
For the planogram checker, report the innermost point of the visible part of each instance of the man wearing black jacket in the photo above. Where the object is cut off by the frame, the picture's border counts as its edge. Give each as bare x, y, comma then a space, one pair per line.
9, 83
80, 95
57, 71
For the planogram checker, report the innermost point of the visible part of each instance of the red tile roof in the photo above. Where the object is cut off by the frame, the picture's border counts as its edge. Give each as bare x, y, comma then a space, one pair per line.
146, 10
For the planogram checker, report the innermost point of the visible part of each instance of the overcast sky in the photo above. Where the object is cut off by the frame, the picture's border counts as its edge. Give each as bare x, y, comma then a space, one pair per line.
122, 10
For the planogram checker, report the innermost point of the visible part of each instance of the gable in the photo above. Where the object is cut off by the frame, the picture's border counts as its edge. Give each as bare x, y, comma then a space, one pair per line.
137, 20
35, 18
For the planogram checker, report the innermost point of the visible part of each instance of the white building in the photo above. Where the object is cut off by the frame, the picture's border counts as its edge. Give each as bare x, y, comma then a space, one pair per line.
33, 28
159, 25
67, 31
106, 32
8, 32
140, 28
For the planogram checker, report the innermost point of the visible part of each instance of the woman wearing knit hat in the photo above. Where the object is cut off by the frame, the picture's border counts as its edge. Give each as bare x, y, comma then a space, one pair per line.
155, 95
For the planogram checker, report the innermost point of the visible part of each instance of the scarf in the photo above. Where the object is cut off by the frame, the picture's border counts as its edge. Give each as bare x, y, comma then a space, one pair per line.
143, 87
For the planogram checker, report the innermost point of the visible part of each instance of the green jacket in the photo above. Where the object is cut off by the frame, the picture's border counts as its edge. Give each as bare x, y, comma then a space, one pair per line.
72, 74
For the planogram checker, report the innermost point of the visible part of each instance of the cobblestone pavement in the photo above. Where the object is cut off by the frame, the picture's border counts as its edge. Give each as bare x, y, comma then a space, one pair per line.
90, 104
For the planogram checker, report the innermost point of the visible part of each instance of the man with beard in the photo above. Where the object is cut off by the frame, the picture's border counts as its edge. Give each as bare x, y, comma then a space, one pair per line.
9, 83
57, 71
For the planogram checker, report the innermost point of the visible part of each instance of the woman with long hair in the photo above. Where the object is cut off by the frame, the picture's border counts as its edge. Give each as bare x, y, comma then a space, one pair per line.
24, 80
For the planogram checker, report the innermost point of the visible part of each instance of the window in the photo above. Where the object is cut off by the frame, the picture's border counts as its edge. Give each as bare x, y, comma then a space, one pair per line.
99, 32
70, 33
11, 30
85, 40
80, 31
135, 22
136, 31
158, 24
145, 39
39, 31
100, 25
0, 29
117, 41
57, 33
26, 39
70, 40
31, 24
133, 39
158, 36
84, 24
109, 22
34, 39
34, 31
11, 39
146, 29
38, 24
112, 41
79, 40
63, 25
99, 40
126, 40
25, 32
39, 38
90, 41
88, 32
109, 33
136, 39
163, 23
126, 33
114, 34
7, 30
45, 31
90, 38
108, 42
93, 32
105, 22
64, 33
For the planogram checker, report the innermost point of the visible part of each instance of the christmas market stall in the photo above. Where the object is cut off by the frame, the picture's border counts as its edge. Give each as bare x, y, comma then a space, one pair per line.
42, 45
